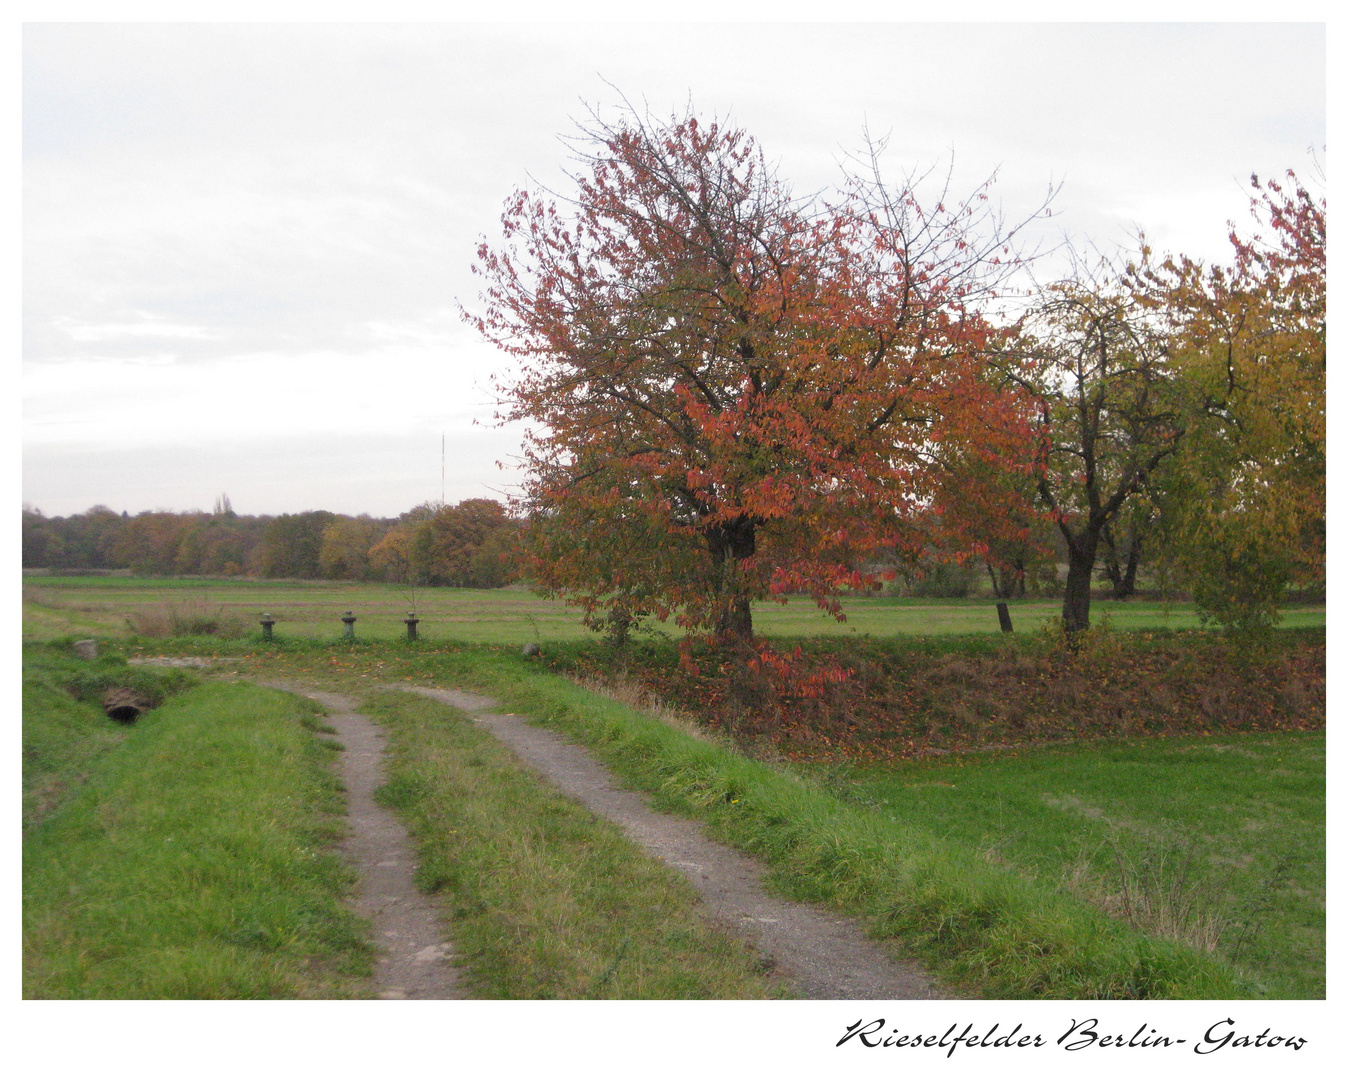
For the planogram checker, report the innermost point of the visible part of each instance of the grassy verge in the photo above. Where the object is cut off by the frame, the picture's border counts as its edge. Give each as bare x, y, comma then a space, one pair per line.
65, 732
988, 926
547, 900
194, 861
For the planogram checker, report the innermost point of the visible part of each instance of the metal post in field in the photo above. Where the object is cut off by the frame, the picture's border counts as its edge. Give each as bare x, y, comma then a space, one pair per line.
267, 623
349, 622
411, 622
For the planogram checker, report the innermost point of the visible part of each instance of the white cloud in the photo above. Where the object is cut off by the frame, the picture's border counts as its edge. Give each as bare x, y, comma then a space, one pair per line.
233, 231
147, 328
101, 403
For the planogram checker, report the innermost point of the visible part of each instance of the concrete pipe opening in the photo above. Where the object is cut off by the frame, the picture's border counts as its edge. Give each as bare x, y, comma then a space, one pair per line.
123, 705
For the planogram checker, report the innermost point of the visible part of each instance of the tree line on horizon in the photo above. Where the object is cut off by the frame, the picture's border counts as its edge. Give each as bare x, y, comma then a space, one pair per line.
472, 544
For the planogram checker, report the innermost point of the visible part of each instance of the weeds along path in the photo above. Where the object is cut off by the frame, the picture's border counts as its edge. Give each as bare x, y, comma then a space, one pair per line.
414, 960
824, 955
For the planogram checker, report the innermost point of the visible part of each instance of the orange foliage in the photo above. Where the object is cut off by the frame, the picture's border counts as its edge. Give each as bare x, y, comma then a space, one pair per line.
734, 394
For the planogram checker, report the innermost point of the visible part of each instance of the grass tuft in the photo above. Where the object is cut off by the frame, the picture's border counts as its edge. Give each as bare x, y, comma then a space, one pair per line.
193, 617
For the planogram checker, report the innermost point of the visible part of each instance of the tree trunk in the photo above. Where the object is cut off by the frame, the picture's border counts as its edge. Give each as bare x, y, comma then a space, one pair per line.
1128, 586
1123, 578
1010, 583
996, 581
736, 621
729, 544
1076, 601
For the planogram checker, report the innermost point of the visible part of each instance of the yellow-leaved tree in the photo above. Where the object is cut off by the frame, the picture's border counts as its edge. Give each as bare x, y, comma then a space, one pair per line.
1244, 498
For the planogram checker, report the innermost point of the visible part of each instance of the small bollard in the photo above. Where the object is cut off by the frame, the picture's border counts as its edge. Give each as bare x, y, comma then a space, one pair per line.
411, 622
349, 621
1004, 616
267, 623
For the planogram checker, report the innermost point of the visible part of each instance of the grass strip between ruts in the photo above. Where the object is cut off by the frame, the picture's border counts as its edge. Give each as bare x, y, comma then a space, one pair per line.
196, 861
546, 900
977, 924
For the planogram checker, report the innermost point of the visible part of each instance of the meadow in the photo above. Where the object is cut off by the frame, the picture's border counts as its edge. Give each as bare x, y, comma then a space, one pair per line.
1217, 842
1188, 865
57, 606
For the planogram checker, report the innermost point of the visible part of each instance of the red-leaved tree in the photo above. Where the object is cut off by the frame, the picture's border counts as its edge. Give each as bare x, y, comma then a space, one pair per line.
734, 393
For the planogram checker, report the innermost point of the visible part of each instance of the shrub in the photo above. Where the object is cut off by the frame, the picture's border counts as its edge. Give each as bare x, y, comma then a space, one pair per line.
192, 618
936, 581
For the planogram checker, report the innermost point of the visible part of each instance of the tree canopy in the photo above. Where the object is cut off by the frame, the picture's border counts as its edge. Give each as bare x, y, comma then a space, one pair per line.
733, 392
1110, 410
1245, 501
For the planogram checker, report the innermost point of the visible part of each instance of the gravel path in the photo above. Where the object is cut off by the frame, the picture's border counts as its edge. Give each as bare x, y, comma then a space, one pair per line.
824, 955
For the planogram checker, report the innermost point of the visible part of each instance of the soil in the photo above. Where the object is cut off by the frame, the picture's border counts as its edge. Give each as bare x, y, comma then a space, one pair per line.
415, 960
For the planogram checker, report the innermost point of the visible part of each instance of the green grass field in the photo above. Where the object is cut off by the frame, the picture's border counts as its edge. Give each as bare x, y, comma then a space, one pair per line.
59, 606
1203, 857
189, 856
1216, 842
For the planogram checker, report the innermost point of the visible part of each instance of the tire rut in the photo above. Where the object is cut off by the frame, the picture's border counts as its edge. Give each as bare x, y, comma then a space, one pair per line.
822, 954
415, 959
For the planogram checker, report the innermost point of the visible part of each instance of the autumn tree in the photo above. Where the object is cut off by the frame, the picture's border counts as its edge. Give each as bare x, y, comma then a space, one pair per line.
990, 510
84, 540
1122, 543
148, 543
42, 545
291, 544
709, 364
473, 544
1110, 410
395, 556
468, 545
1245, 502
344, 551
391, 556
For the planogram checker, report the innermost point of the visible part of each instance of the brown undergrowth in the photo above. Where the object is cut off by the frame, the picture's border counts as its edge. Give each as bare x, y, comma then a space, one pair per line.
910, 697
192, 616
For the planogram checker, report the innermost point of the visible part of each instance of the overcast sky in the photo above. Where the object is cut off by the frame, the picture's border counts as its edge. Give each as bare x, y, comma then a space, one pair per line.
244, 245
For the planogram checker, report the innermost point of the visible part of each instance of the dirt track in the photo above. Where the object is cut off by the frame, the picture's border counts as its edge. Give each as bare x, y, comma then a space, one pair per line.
823, 955
415, 957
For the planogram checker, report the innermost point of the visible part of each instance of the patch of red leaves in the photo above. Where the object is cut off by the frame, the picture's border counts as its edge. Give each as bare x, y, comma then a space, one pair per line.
904, 699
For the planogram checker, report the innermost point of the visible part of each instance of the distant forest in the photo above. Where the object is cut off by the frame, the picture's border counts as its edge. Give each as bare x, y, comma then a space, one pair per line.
474, 544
